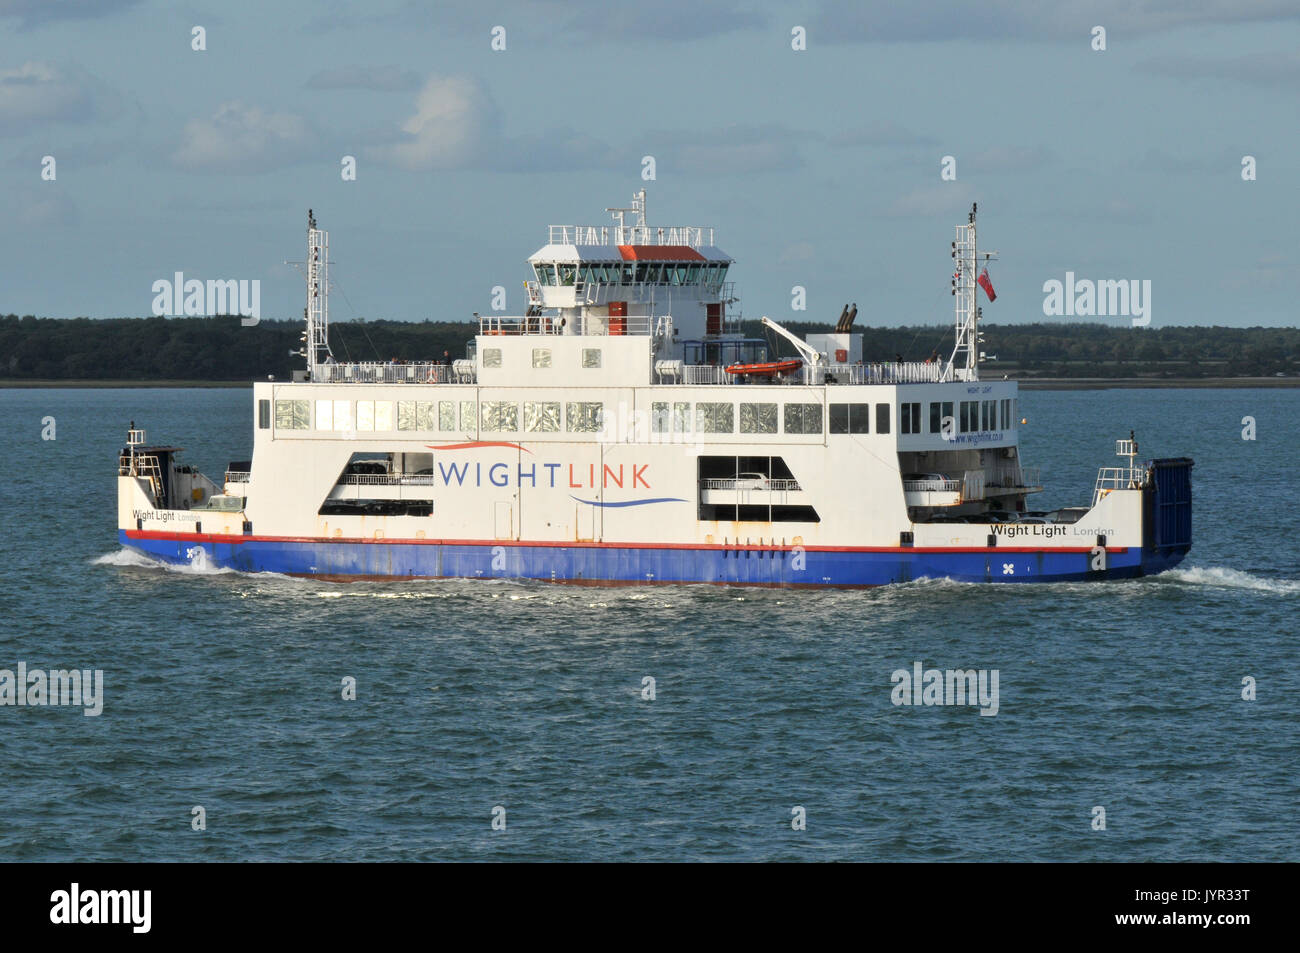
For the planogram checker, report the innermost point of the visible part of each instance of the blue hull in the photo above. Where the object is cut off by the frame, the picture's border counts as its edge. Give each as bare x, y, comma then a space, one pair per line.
606, 564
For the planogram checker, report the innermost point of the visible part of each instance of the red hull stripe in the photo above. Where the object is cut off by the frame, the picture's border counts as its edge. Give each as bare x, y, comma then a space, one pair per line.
235, 539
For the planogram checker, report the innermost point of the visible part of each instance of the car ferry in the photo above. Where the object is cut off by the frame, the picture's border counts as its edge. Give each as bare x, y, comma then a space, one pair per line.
624, 430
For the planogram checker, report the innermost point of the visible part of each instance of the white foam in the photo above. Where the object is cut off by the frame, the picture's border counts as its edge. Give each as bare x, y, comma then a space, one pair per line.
1221, 577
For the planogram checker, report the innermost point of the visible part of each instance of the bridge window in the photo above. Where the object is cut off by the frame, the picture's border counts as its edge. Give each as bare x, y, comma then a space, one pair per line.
909, 418
584, 416
499, 415
758, 418
293, 415
591, 357
882, 418
1006, 414
715, 417
541, 357
545, 274
566, 273
541, 416
803, 418
988, 415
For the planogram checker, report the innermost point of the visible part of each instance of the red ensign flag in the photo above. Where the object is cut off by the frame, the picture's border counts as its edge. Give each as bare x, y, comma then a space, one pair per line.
987, 285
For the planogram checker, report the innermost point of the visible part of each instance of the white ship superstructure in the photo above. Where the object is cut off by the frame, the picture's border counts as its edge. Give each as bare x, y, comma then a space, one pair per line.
625, 430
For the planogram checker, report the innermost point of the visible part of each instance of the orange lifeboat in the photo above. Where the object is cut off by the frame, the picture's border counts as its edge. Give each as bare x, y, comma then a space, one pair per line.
768, 368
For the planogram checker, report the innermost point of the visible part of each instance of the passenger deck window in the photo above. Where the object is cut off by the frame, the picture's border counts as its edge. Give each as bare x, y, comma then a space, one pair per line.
711, 417
909, 417
293, 415
803, 418
541, 416
499, 416
584, 416
758, 418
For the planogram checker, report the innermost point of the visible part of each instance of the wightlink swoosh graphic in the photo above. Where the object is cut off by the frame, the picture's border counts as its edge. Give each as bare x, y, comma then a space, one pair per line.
658, 499
474, 444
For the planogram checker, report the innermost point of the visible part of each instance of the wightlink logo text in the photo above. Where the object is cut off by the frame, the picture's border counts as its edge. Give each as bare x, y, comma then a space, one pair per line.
34, 688
1084, 298
194, 298
954, 686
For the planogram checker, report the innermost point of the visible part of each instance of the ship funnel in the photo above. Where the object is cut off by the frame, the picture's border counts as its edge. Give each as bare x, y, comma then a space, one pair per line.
848, 322
839, 325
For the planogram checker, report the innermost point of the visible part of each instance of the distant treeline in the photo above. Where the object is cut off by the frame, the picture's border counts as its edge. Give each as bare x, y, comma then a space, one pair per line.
221, 349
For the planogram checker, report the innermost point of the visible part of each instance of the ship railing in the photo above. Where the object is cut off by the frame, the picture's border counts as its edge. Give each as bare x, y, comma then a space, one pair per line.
705, 374
932, 486
389, 373
1014, 476
970, 487
890, 372
1117, 478
386, 479
237, 476
518, 324
695, 236
614, 325
776, 486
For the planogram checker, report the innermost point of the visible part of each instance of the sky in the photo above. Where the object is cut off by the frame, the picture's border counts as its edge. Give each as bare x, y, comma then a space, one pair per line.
821, 168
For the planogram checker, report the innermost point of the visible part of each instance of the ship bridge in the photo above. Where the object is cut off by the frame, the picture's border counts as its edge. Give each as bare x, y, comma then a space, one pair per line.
623, 278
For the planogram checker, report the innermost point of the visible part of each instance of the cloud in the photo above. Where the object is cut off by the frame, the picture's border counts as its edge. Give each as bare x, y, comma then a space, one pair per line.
950, 198
241, 138
47, 206
664, 20
1007, 159
1257, 69
850, 21
887, 133
454, 122
457, 125
39, 92
380, 78
33, 13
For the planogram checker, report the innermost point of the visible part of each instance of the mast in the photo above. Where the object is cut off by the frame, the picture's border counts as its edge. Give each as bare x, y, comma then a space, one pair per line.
964, 364
318, 309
